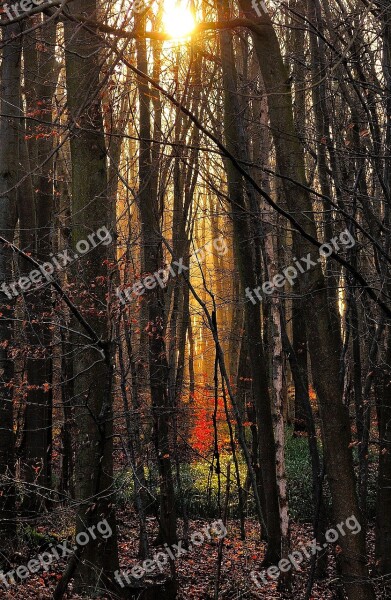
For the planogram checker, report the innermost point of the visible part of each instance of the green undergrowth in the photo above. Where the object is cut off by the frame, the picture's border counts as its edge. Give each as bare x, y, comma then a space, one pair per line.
203, 491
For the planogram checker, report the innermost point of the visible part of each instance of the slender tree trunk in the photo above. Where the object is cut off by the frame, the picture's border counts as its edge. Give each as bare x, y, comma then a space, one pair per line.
383, 512
9, 167
67, 487
300, 368
235, 143
37, 207
277, 392
133, 446
152, 262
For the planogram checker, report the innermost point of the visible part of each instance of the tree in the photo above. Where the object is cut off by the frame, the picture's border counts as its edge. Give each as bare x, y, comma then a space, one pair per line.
93, 359
237, 146
9, 173
153, 261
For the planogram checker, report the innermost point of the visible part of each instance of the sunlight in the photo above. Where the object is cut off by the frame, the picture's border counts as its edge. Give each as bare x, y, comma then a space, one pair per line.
178, 19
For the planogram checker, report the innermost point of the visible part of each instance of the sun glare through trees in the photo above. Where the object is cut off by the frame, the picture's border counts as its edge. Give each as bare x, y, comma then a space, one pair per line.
178, 20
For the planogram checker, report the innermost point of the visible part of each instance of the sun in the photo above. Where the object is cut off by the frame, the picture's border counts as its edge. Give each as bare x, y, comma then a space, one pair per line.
177, 18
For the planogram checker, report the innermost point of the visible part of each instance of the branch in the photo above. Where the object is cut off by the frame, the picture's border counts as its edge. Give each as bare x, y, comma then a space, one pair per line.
96, 340
236, 163
122, 33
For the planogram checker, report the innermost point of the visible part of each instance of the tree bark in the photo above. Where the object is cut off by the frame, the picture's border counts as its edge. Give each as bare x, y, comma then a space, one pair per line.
93, 364
9, 167
37, 207
152, 261
236, 144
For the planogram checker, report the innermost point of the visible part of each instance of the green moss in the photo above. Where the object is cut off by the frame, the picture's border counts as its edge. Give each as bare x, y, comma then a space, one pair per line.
36, 540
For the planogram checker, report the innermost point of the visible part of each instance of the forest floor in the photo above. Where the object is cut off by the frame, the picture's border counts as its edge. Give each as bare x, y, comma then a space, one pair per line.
196, 568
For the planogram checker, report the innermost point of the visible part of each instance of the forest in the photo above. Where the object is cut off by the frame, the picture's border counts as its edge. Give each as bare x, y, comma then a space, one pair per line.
195, 286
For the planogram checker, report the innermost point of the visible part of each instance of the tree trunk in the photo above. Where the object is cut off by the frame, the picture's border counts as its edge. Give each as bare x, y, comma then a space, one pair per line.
383, 512
37, 207
242, 240
9, 166
93, 362
323, 345
153, 261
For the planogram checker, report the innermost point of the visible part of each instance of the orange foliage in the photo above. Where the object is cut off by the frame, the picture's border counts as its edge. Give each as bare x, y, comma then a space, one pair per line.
202, 434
